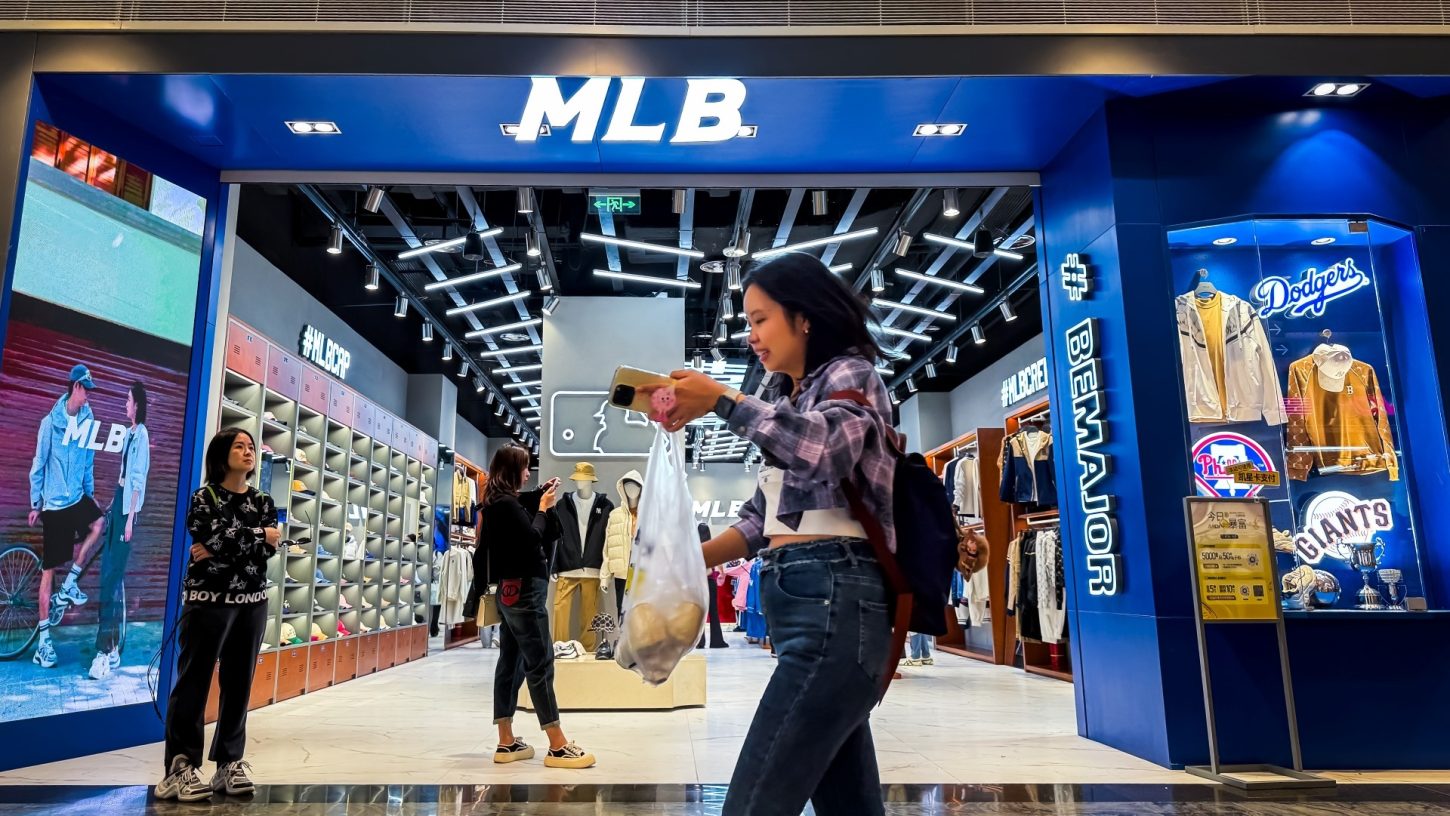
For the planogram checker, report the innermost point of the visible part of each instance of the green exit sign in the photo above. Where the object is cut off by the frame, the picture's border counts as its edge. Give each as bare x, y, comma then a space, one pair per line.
615, 202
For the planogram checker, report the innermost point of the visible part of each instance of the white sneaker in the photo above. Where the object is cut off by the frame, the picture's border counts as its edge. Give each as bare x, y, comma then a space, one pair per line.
232, 779
113, 658
44, 654
100, 667
183, 783
578, 648
73, 593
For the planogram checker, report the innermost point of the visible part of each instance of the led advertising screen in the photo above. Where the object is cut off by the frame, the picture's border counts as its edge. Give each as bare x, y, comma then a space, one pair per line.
93, 383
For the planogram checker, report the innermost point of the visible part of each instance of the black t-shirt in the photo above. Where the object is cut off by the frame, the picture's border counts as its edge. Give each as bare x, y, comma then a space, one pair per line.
514, 541
231, 526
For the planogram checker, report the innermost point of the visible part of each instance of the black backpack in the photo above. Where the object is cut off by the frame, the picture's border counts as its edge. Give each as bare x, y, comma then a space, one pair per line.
920, 572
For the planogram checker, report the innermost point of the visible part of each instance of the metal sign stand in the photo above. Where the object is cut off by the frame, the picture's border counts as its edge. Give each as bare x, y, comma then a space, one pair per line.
1253, 777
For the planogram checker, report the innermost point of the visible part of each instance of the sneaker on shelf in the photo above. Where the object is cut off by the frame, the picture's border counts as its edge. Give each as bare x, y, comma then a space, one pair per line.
295, 641
305, 540
100, 667
44, 654
73, 594
564, 651
320, 579
405, 582
517, 752
570, 756
183, 783
579, 649
233, 779
323, 553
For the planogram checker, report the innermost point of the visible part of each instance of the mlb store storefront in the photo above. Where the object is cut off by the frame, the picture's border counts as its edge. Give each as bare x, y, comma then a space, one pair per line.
1229, 272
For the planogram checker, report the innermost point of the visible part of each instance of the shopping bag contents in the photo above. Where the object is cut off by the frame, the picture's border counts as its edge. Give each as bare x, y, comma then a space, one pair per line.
664, 602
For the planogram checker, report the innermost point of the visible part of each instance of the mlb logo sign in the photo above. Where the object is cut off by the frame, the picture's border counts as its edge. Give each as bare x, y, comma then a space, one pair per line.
1217, 452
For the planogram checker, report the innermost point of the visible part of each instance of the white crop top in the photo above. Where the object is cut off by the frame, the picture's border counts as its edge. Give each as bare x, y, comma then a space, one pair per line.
832, 523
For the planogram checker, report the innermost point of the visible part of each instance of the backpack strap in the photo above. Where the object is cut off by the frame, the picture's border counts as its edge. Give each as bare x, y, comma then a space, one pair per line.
876, 534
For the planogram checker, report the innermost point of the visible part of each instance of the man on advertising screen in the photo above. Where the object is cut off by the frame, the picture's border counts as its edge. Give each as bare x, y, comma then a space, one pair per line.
62, 500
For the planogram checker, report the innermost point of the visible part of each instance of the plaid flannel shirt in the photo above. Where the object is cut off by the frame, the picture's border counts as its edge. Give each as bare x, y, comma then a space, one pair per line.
817, 442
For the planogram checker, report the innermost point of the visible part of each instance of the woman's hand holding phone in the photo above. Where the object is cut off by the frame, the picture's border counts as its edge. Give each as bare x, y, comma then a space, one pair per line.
550, 497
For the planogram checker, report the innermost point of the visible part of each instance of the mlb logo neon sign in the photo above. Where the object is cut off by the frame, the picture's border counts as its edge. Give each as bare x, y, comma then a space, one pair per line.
709, 113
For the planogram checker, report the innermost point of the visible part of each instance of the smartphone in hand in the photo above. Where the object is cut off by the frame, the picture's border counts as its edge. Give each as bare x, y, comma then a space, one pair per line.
629, 391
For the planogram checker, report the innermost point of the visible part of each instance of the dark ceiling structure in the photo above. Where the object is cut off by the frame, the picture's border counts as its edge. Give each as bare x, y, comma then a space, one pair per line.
950, 272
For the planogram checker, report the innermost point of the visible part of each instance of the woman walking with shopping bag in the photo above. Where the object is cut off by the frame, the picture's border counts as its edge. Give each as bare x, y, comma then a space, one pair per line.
825, 597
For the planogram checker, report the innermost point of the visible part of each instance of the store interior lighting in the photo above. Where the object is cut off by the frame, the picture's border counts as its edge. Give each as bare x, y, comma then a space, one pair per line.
463, 369
504, 327
930, 370
951, 357
978, 335
878, 281
951, 206
955, 243
832, 239
504, 352
625, 242
911, 385
488, 304
514, 386
913, 308
531, 245
1007, 313
427, 332
903, 244
551, 304
400, 306
1342, 90
374, 200
677, 202
950, 284
525, 201
478, 385
443, 246
727, 306
447, 352
473, 247
472, 277
907, 333
982, 243
371, 278
732, 276
542, 276
650, 279
518, 369
818, 202
839, 268
334, 240
313, 128
1002, 252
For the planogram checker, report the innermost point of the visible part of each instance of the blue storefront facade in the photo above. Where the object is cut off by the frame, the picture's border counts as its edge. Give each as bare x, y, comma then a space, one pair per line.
1140, 169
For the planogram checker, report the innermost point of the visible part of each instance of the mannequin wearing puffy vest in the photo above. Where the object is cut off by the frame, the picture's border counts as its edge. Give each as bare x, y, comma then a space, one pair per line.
619, 537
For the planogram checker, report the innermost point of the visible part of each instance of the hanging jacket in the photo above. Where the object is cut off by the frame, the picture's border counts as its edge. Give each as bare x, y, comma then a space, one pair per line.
1028, 482
573, 554
949, 480
1347, 430
1251, 382
619, 536
965, 493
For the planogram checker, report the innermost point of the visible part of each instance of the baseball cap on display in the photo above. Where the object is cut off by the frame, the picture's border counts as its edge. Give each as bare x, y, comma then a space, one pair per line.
302, 456
80, 374
298, 486
317, 633
289, 635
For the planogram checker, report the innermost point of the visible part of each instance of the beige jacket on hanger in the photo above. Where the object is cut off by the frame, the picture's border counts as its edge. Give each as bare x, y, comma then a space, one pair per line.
1251, 381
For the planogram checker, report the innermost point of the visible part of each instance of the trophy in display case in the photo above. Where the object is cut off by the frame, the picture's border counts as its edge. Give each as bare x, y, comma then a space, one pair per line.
1365, 557
1394, 580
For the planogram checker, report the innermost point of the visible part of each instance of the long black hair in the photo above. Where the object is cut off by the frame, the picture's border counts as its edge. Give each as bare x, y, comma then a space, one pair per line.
506, 473
840, 320
138, 396
219, 453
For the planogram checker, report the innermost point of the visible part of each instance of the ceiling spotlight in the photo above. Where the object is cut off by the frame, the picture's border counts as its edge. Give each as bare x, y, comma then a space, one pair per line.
305, 128
907, 333
878, 281
630, 276
1324, 89
950, 207
895, 398
370, 278
472, 247
488, 304
951, 357
463, 369
727, 306
478, 384
926, 130
739, 245
1342, 90
978, 336
1328, 239
499, 409
931, 371
722, 333
910, 385
550, 304
677, 204
884, 370
624, 242
950, 284
400, 307
1348, 89
830, 239
1226, 241
818, 202
488, 398
732, 276
472, 277
839, 268
531, 245
445, 245
374, 201
447, 352
334, 241
1007, 314
525, 201
982, 243
903, 243
427, 332
522, 324
909, 307
951, 129
717, 355
542, 276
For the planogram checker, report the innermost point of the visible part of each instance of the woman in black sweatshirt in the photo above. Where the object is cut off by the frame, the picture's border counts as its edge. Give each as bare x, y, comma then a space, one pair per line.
512, 537
234, 531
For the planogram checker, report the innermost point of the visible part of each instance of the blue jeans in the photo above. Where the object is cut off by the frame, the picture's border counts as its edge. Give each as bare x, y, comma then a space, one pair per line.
920, 646
826, 604
525, 652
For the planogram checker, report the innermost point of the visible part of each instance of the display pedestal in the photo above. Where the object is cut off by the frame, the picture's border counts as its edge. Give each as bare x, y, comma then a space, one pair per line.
601, 685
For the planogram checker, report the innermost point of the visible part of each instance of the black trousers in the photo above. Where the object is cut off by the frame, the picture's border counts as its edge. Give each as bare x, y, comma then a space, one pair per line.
208, 634
619, 596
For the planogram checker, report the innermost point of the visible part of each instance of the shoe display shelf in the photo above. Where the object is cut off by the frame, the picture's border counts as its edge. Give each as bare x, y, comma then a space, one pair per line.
333, 462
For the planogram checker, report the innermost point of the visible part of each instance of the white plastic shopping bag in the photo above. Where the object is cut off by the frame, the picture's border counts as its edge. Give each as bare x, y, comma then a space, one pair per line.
665, 599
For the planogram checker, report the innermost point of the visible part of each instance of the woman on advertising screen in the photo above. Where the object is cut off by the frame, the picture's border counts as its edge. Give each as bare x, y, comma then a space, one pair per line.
234, 531
121, 531
823, 590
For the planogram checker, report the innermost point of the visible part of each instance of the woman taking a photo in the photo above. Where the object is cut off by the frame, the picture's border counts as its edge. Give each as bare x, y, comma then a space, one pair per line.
514, 530
822, 588
121, 530
224, 613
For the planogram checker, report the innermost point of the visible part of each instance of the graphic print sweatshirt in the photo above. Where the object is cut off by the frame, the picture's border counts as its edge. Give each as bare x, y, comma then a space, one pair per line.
231, 526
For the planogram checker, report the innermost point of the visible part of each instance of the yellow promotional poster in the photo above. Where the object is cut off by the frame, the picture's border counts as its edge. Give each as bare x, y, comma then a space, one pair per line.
1232, 541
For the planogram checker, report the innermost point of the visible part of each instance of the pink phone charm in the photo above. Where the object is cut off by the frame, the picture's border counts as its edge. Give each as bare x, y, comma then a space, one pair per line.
661, 401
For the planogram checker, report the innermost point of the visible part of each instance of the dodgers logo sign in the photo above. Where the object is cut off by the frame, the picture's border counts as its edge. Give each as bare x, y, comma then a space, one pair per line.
1309, 295
1217, 452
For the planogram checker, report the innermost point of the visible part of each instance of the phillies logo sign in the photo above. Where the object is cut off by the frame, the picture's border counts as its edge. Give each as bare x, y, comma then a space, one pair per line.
710, 112
1310, 294
1217, 452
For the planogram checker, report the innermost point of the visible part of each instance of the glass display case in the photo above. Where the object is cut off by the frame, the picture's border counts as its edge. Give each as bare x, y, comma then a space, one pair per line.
1290, 370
